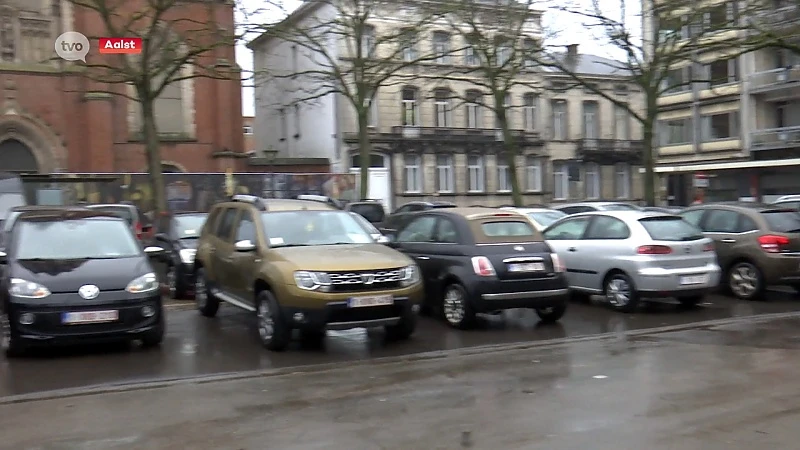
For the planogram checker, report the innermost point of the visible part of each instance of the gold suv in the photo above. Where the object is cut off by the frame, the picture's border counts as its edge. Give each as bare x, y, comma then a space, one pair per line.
302, 265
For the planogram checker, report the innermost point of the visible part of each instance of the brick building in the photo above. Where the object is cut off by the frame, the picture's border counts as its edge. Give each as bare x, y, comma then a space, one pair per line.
52, 120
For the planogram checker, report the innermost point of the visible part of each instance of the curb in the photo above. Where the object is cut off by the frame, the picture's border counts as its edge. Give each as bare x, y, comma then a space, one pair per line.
114, 388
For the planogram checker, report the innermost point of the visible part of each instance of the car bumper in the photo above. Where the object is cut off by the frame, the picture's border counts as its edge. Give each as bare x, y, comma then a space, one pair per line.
782, 268
495, 295
339, 316
47, 327
657, 282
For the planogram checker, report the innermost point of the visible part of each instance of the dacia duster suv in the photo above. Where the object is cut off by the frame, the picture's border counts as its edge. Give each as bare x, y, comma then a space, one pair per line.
302, 265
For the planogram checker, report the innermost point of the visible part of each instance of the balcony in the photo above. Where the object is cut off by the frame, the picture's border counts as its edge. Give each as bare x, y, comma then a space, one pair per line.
775, 139
409, 137
609, 150
776, 84
785, 19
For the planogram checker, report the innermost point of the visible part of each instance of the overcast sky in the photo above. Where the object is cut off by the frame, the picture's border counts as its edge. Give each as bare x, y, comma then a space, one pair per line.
569, 29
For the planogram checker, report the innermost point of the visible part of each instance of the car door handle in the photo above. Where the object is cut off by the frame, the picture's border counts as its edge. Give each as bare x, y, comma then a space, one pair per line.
422, 258
729, 241
572, 249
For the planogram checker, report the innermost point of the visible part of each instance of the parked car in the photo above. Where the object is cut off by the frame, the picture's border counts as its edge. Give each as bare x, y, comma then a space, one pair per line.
375, 233
137, 221
178, 235
582, 207
630, 255
77, 276
405, 213
372, 210
301, 265
757, 244
663, 210
482, 260
788, 201
541, 218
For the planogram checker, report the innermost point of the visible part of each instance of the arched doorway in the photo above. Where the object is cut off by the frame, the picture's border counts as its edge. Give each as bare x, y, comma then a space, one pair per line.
17, 157
379, 180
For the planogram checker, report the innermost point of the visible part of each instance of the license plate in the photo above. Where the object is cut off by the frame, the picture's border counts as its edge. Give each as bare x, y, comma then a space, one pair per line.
526, 267
695, 279
73, 318
372, 300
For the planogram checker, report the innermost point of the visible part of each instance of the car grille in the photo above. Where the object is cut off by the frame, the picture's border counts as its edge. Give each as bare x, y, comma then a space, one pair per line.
367, 280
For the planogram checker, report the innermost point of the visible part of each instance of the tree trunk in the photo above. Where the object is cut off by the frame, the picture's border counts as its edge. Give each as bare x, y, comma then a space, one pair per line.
364, 151
153, 150
649, 165
510, 147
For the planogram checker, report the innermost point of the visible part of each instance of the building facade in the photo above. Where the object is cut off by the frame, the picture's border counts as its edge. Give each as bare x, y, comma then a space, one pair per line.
432, 138
53, 120
249, 138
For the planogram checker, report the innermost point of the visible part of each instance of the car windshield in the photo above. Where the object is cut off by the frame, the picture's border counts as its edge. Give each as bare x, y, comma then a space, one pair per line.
121, 211
368, 227
620, 207
302, 228
546, 218
189, 226
88, 238
782, 221
669, 228
370, 211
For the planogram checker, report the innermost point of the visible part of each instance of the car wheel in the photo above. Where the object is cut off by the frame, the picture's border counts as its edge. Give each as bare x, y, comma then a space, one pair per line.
273, 332
552, 314
206, 302
9, 343
745, 281
154, 337
403, 329
692, 300
621, 293
456, 308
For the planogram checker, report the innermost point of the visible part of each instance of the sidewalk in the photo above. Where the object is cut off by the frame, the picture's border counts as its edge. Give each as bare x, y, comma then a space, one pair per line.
726, 388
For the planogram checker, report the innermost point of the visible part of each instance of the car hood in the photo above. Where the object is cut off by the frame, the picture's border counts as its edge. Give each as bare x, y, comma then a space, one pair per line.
69, 275
329, 258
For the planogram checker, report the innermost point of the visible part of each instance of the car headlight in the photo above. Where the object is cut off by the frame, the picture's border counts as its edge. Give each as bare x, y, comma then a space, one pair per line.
145, 283
311, 281
187, 255
27, 289
409, 275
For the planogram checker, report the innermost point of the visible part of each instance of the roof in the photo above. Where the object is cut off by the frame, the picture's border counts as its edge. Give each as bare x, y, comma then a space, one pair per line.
587, 64
624, 215
284, 204
754, 206
43, 208
64, 214
478, 212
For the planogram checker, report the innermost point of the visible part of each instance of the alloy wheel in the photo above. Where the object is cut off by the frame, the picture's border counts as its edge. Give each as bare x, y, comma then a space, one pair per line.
266, 324
172, 281
618, 292
454, 306
200, 292
5, 332
744, 280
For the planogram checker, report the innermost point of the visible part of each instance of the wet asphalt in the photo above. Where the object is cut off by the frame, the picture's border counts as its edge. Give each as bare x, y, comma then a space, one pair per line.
197, 346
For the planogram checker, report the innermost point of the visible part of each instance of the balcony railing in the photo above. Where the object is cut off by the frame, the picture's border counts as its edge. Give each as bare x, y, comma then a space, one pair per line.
609, 146
784, 77
775, 138
413, 132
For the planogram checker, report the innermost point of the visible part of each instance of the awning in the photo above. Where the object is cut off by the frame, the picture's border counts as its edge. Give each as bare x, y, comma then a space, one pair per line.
703, 167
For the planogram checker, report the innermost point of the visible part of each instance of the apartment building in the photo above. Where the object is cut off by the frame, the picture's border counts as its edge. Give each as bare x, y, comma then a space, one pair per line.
433, 139
734, 134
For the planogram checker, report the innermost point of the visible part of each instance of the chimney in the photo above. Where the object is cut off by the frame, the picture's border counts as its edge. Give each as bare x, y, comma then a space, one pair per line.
572, 51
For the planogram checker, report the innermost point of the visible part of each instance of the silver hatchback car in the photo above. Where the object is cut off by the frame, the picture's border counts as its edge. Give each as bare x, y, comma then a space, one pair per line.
629, 255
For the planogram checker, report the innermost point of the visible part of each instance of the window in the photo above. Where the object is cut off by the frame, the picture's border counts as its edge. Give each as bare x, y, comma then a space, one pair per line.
722, 71
591, 124
559, 86
592, 181
408, 43
373, 212
560, 181
473, 113
246, 229
284, 124
720, 126
475, 174
568, 230
507, 229
677, 80
591, 88
444, 174
529, 47
559, 120
621, 123
248, 130
693, 217
471, 57
670, 28
671, 229
721, 16
418, 230
622, 181
507, 108
620, 89
722, 221
782, 221
441, 47
368, 42
529, 111
502, 54
413, 173
225, 224
95, 238
442, 102
605, 227
533, 174
503, 175
410, 108
676, 132
447, 233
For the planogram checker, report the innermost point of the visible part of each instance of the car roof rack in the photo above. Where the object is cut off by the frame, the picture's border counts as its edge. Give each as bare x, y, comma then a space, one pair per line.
252, 199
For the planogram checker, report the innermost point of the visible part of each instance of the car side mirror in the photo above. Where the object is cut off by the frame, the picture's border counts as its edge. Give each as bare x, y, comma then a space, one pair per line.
3, 258
245, 246
154, 251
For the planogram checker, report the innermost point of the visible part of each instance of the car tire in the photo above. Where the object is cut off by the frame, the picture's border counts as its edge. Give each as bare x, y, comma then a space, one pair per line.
552, 314
456, 309
691, 301
9, 342
206, 302
154, 337
177, 289
620, 292
403, 329
580, 297
273, 331
745, 281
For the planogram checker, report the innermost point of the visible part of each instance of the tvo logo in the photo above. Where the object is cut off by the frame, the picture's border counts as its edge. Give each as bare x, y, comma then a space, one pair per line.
72, 46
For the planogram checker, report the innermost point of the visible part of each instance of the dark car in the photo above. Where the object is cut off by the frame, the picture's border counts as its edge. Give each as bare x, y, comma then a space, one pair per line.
402, 215
178, 235
137, 221
372, 210
77, 276
481, 260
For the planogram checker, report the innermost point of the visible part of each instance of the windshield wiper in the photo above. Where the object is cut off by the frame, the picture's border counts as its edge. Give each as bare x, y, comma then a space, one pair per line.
290, 245
340, 243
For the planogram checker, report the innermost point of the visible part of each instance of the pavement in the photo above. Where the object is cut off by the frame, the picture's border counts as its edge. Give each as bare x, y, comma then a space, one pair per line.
196, 346
709, 386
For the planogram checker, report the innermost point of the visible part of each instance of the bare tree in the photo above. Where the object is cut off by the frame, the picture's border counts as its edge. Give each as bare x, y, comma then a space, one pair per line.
352, 48
656, 56
180, 40
775, 25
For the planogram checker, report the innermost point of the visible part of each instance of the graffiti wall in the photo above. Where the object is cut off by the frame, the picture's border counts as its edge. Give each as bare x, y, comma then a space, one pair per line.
188, 192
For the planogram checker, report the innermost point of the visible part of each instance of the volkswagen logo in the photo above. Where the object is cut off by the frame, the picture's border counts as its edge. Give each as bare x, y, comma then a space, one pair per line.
368, 278
89, 291
519, 248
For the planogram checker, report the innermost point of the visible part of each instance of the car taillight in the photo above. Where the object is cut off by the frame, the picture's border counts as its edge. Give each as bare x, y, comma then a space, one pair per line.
654, 250
708, 247
557, 266
772, 244
482, 266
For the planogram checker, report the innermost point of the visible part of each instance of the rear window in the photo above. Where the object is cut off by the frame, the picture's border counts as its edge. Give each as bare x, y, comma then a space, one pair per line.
620, 207
670, 229
119, 211
782, 221
508, 229
371, 211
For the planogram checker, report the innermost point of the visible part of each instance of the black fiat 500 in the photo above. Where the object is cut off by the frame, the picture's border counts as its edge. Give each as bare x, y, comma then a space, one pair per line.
73, 276
483, 260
